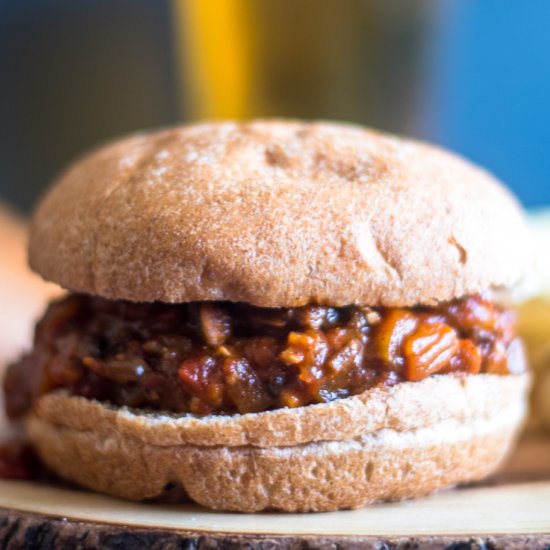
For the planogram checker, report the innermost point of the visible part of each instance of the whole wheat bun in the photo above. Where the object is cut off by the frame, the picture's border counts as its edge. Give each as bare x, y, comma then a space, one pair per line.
386, 444
278, 213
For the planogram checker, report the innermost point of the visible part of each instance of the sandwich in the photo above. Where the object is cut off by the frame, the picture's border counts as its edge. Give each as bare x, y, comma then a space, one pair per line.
274, 315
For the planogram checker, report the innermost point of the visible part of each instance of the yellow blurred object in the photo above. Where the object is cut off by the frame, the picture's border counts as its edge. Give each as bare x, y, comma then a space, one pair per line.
215, 45
534, 325
534, 317
357, 60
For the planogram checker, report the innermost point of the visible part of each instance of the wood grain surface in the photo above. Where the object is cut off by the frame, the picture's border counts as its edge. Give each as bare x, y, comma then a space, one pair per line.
511, 510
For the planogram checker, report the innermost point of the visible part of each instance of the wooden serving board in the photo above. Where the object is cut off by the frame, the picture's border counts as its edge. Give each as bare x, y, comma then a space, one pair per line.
508, 511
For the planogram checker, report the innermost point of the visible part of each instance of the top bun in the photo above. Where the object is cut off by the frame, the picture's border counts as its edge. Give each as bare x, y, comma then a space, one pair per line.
278, 213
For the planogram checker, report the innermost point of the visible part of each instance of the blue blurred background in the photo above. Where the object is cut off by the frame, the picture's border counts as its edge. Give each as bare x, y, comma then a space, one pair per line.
471, 75
489, 89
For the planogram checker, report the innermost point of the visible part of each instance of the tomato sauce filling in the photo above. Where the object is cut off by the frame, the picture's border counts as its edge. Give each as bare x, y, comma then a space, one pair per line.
219, 357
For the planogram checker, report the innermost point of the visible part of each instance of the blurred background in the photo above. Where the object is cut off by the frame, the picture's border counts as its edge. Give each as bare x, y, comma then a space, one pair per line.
470, 75
473, 76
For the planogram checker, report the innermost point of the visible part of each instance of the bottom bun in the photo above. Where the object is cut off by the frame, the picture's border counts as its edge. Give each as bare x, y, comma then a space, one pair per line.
378, 465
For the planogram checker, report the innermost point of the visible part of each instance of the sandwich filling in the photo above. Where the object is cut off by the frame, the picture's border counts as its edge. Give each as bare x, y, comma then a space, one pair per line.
227, 358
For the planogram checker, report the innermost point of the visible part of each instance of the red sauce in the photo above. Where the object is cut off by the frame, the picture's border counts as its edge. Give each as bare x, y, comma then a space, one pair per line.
218, 357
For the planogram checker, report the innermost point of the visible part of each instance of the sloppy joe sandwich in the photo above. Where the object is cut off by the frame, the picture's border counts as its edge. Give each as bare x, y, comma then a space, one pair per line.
274, 315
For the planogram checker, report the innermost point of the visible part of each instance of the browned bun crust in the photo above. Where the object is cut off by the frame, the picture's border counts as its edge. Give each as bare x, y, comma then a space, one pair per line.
422, 436
278, 213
